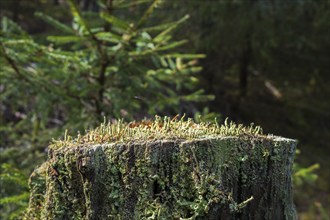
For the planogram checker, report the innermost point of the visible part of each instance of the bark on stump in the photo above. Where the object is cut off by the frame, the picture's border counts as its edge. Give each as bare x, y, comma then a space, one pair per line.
227, 178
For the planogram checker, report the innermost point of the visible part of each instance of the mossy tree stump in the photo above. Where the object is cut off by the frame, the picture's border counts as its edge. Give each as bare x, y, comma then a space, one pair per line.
201, 175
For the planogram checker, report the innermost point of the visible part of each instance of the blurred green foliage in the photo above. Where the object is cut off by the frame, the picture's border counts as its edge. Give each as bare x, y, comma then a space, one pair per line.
100, 65
69, 63
14, 192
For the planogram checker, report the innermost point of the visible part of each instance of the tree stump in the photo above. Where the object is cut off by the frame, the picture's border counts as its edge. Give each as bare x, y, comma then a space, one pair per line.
206, 176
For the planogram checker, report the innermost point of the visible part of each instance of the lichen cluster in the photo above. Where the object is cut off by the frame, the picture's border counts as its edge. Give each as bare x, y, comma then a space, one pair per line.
159, 129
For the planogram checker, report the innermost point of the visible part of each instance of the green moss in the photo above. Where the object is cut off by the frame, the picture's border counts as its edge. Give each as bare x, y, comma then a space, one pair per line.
159, 129
166, 169
37, 185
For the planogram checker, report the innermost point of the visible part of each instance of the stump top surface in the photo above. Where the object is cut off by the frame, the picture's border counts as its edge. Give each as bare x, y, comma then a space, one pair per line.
162, 129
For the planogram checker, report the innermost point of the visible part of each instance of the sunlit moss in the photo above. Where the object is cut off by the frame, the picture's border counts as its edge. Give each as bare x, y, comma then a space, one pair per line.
160, 128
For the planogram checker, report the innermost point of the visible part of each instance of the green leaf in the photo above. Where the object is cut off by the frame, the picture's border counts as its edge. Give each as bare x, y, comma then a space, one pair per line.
170, 28
185, 56
55, 23
125, 4
63, 55
158, 27
108, 36
148, 12
14, 199
115, 21
65, 39
140, 53
171, 63
172, 45
163, 62
71, 54
167, 47
191, 70
7, 25
198, 96
164, 39
19, 41
77, 17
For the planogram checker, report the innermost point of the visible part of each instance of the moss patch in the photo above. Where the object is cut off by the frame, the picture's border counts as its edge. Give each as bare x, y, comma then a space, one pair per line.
159, 129
166, 169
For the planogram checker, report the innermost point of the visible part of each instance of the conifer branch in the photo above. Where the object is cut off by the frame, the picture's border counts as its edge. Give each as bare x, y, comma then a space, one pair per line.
11, 62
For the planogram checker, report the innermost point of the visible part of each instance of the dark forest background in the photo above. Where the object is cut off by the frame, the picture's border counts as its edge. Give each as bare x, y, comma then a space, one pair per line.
67, 64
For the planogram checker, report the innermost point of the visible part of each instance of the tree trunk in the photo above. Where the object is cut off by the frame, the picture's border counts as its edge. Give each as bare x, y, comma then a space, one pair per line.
217, 178
244, 66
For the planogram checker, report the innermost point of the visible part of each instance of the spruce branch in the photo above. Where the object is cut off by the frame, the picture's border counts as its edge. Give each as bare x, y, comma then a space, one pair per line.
11, 62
